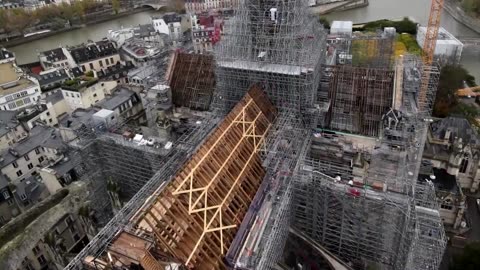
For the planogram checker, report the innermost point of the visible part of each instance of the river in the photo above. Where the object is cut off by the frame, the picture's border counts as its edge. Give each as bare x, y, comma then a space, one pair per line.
378, 9
27, 53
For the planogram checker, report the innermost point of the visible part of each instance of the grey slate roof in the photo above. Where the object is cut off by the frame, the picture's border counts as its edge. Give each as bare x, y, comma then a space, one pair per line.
77, 118
8, 121
118, 98
65, 165
40, 136
52, 78
459, 127
54, 97
54, 55
30, 187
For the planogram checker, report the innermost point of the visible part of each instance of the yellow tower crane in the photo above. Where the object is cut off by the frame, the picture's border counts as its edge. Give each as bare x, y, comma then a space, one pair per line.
431, 35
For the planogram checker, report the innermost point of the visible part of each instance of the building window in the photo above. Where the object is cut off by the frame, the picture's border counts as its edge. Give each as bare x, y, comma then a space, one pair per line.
68, 221
66, 94
10, 202
107, 61
27, 158
23, 197
83, 68
40, 159
464, 165
36, 250
19, 173
37, 151
6, 195
42, 260
101, 63
91, 66
30, 166
15, 164
111, 60
76, 237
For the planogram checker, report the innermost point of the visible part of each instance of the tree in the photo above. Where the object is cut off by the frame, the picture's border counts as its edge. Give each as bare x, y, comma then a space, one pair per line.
3, 18
116, 6
19, 20
472, 6
468, 260
324, 21
451, 79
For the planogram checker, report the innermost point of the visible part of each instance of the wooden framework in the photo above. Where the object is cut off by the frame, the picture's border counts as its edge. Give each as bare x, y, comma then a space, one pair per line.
195, 218
192, 80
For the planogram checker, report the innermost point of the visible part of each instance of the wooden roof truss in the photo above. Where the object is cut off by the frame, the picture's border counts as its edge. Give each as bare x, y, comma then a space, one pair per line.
194, 219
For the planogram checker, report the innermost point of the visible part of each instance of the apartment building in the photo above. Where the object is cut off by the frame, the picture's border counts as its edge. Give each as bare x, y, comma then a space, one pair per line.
83, 94
20, 161
95, 55
171, 24
126, 104
52, 79
11, 129
46, 113
52, 252
17, 89
56, 58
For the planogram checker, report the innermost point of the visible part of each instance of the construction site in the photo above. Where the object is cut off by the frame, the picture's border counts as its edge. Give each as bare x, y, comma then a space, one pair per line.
268, 158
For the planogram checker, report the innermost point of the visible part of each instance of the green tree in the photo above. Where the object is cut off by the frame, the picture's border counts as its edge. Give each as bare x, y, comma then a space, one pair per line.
324, 21
469, 259
472, 6
451, 79
3, 18
19, 20
116, 6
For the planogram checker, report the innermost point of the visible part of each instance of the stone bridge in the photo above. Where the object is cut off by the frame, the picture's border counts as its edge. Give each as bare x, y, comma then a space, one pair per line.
155, 4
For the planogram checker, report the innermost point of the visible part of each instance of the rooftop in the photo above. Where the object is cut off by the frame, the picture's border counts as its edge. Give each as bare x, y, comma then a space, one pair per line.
116, 71
170, 17
78, 84
40, 136
142, 49
52, 77
54, 55
77, 118
11, 81
8, 121
54, 97
91, 51
118, 98
31, 188
457, 127
5, 54
144, 30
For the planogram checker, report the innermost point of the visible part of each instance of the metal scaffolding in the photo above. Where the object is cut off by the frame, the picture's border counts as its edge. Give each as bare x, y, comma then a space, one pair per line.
360, 201
275, 43
359, 99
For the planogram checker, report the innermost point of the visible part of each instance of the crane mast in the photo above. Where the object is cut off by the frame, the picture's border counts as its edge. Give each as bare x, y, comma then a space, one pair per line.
431, 35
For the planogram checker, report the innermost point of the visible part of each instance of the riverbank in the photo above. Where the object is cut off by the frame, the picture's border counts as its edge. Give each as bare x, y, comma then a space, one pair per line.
453, 8
338, 6
23, 40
